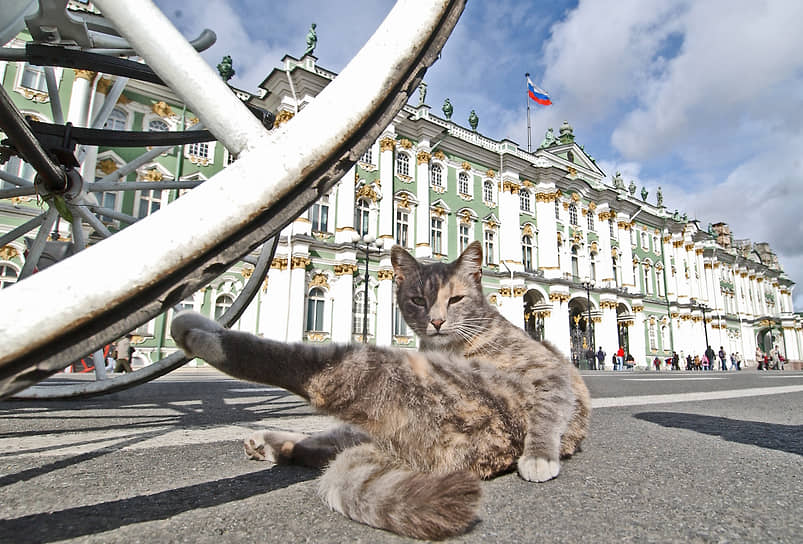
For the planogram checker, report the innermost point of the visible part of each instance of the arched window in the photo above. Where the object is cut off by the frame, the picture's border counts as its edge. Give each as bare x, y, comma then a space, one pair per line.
527, 252
436, 235
402, 227
560, 250
436, 175
590, 220
464, 236
575, 263
490, 241
8, 275
358, 312
462, 184
402, 164
361, 215
592, 266
659, 282
647, 283
223, 303
488, 192
315, 304
572, 214
644, 243
117, 120
157, 125
524, 200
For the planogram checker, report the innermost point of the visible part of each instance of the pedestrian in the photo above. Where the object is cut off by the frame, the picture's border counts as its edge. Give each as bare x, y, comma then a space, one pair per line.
733, 361
723, 365
591, 360
689, 362
124, 351
776, 359
601, 359
657, 364
630, 362
759, 358
675, 361
711, 358
738, 361
620, 358
698, 363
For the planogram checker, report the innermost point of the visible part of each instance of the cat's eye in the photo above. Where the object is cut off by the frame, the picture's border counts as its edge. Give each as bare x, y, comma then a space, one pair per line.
455, 299
418, 301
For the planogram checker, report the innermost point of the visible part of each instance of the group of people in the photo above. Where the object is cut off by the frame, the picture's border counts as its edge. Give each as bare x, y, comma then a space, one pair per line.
710, 360
619, 360
769, 361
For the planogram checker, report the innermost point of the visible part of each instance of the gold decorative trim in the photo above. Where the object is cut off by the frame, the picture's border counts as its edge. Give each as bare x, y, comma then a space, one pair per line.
300, 262
317, 336
107, 166
384, 274
279, 263
345, 269
490, 173
527, 230
575, 197
439, 155
405, 143
519, 291
247, 271
608, 304
527, 183
103, 86
466, 166
637, 309
282, 117
505, 291
562, 297
8, 252
88, 75
466, 217
698, 251
689, 247
368, 192
319, 280
509, 186
387, 144
423, 157
152, 175
162, 109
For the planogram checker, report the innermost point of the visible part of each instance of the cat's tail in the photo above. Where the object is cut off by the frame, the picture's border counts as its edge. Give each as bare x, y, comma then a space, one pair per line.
365, 485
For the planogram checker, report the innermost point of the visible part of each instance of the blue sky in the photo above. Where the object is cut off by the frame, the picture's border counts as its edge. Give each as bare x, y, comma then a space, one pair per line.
703, 98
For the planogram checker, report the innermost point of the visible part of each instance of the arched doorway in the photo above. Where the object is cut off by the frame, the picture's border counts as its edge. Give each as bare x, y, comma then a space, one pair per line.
536, 308
767, 338
581, 333
624, 320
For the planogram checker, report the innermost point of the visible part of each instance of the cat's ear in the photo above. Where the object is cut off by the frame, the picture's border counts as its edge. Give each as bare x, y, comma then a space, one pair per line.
470, 261
404, 264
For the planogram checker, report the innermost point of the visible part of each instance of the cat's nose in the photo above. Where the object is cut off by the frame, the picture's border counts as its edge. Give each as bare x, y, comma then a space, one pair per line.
437, 323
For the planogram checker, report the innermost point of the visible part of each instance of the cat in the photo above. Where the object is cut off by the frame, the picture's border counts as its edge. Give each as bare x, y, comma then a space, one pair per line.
421, 428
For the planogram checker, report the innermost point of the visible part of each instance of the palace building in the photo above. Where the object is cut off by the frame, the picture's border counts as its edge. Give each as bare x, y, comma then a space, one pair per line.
573, 255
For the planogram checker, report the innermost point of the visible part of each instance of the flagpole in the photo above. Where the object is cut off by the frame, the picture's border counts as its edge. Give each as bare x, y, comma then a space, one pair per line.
527, 98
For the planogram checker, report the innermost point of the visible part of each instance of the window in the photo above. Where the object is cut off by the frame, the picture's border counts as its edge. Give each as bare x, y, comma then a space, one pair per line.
230, 157
592, 266
223, 303
647, 286
402, 227
524, 200
656, 247
633, 237
319, 215
617, 273
610, 227
359, 312
107, 200
644, 243
399, 325
573, 214
8, 275
149, 202
463, 237
361, 214
368, 157
557, 209
117, 120
462, 184
33, 77
403, 164
527, 252
490, 239
200, 149
575, 263
659, 282
315, 303
157, 125
653, 346
436, 175
436, 235
590, 220
488, 192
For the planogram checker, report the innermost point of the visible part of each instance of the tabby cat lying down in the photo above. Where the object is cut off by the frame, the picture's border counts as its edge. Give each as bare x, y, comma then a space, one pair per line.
421, 428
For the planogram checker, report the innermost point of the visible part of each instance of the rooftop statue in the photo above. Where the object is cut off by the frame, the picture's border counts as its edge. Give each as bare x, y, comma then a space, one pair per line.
549, 139
422, 93
632, 188
312, 40
473, 120
660, 196
447, 109
644, 193
225, 68
618, 182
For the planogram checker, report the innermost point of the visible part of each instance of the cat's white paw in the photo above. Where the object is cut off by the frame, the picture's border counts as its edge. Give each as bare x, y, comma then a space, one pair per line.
271, 446
538, 469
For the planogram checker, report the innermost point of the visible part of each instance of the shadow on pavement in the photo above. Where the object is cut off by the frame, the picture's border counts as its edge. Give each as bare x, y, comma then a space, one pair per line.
787, 438
97, 518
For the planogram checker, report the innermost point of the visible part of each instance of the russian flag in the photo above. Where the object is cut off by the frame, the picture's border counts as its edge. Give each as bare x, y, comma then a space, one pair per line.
538, 94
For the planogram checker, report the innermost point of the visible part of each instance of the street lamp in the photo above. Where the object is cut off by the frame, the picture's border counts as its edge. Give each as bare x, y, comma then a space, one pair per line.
702, 307
588, 284
366, 244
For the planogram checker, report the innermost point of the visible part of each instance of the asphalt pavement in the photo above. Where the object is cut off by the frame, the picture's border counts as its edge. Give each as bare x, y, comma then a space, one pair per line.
672, 457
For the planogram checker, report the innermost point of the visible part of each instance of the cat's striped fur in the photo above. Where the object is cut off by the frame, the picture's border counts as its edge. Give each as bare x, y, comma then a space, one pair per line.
480, 398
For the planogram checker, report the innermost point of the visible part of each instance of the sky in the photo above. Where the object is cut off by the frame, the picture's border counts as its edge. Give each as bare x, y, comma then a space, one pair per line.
703, 98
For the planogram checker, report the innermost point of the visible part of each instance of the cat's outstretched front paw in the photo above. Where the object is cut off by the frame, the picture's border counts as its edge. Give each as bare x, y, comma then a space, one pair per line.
538, 469
272, 446
197, 335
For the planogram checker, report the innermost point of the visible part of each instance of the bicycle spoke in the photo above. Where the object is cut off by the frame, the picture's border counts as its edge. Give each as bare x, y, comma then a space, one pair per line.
22, 229
53, 92
90, 218
108, 212
116, 186
14, 180
78, 239
19, 191
39, 243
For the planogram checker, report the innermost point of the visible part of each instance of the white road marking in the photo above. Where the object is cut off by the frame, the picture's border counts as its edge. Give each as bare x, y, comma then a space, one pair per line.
669, 379
798, 376
609, 402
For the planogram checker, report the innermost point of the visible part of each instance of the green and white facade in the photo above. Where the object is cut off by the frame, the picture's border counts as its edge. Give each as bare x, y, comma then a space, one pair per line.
549, 221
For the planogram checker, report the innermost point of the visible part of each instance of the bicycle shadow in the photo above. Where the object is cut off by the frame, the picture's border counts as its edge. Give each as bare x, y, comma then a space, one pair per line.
97, 518
775, 436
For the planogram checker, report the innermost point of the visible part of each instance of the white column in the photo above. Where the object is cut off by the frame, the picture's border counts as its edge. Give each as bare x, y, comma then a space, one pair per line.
298, 296
556, 326
605, 332
384, 310
421, 236
276, 301
545, 195
509, 231
78, 110
344, 221
343, 297
626, 253
605, 273
511, 303
637, 335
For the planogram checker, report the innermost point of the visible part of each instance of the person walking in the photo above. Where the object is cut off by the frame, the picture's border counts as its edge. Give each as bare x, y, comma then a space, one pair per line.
620, 358
675, 361
124, 351
600, 359
723, 365
759, 359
